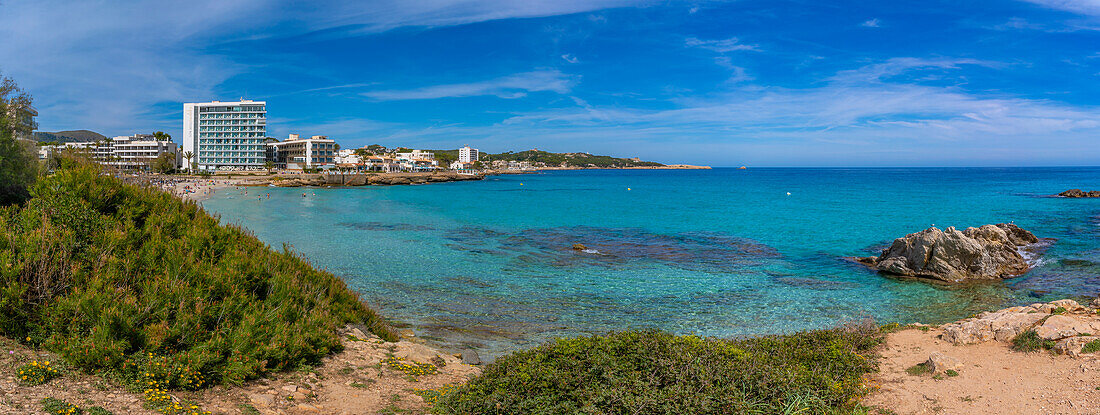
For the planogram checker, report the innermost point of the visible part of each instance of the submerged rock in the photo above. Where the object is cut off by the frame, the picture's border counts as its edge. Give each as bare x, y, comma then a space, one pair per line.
579, 247
1076, 193
985, 253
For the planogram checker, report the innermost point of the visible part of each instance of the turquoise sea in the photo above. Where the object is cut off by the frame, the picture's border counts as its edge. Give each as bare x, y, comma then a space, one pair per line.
722, 252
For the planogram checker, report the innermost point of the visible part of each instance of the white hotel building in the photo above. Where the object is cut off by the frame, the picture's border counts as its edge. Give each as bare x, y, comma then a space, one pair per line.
467, 155
225, 135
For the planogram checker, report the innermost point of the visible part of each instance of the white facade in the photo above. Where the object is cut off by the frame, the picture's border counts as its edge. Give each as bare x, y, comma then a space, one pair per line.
467, 154
225, 135
348, 156
296, 152
129, 152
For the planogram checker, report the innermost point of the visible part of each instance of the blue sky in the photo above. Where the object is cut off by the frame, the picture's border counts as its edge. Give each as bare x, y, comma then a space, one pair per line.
760, 83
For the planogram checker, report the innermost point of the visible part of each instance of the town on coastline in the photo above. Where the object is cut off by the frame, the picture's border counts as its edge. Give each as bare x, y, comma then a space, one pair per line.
231, 137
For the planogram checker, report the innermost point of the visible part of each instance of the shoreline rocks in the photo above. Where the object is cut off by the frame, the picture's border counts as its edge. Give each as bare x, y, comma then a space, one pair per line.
1078, 193
988, 252
365, 179
1069, 325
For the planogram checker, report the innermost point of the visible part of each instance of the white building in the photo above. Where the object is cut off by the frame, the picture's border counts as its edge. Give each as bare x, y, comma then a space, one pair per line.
467, 154
128, 152
296, 153
348, 156
417, 160
225, 135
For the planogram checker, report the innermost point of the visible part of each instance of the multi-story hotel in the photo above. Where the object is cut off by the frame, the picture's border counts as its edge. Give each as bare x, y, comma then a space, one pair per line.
225, 135
297, 153
467, 154
128, 152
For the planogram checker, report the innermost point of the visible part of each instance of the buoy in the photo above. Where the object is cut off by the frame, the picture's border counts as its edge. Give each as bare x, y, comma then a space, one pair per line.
788, 193
628, 189
521, 184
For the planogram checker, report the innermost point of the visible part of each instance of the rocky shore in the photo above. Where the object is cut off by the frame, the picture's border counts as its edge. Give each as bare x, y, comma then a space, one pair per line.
1078, 193
363, 179
1042, 358
988, 252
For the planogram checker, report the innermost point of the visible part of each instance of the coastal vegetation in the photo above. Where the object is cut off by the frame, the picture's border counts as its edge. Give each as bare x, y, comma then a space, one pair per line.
567, 159
655, 372
152, 290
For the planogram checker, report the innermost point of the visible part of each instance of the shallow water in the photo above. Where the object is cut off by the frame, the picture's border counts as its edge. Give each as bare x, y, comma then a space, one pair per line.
721, 252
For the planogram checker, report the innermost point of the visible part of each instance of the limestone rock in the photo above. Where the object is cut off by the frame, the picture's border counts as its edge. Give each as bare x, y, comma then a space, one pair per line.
1072, 345
1062, 326
950, 255
1001, 325
579, 247
939, 363
262, 399
1070, 305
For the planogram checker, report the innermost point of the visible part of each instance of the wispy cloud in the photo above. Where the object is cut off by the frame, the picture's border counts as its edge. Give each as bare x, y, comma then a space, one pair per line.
570, 58
508, 87
721, 46
840, 119
870, 23
119, 62
1087, 7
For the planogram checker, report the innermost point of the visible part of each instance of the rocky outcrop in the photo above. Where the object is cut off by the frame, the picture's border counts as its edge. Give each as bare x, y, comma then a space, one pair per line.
988, 252
939, 363
1065, 322
1076, 193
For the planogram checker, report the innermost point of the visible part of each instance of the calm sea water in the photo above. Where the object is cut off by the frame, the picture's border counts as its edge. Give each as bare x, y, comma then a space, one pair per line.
720, 252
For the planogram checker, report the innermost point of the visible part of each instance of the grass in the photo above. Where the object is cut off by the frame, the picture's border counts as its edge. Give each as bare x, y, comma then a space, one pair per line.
60, 407
655, 372
1091, 347
918, 369
1029, 341
950, 373
133, 281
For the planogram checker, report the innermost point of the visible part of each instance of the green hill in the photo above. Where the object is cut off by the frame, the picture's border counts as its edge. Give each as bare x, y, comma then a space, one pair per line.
134, 281
75, 136
568, 159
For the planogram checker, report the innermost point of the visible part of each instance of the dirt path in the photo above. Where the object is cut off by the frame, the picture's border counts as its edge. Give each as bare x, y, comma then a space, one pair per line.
369, 377
993, 379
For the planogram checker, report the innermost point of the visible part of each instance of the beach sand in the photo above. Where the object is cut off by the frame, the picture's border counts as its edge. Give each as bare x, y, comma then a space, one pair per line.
994, 379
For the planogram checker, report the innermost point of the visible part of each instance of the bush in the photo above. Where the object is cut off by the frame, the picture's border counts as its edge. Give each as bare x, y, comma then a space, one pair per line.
654, 372
60, 407
1091, 347
114, 277
35, 373
1029, 341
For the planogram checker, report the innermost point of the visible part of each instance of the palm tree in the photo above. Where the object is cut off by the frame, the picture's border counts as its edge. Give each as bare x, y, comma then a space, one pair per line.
188, 155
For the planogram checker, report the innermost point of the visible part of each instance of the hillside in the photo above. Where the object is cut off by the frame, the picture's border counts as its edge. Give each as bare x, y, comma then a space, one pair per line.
74, 136
132, 281
567, 159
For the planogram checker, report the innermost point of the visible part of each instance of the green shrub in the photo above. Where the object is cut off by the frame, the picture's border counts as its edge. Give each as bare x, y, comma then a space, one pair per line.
951, 373
918, 369
133, 280
1029, 341
1091, 347
653, 372
37, 373
60, 407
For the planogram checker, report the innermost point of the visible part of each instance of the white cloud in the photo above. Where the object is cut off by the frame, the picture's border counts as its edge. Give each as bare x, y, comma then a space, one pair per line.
512, 86
721, 46
570, 58
870, 23
1087, 7
114, 65
858, 117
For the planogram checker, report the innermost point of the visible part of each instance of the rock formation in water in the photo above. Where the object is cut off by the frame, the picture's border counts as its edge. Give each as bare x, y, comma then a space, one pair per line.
1075, 193
950, 255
